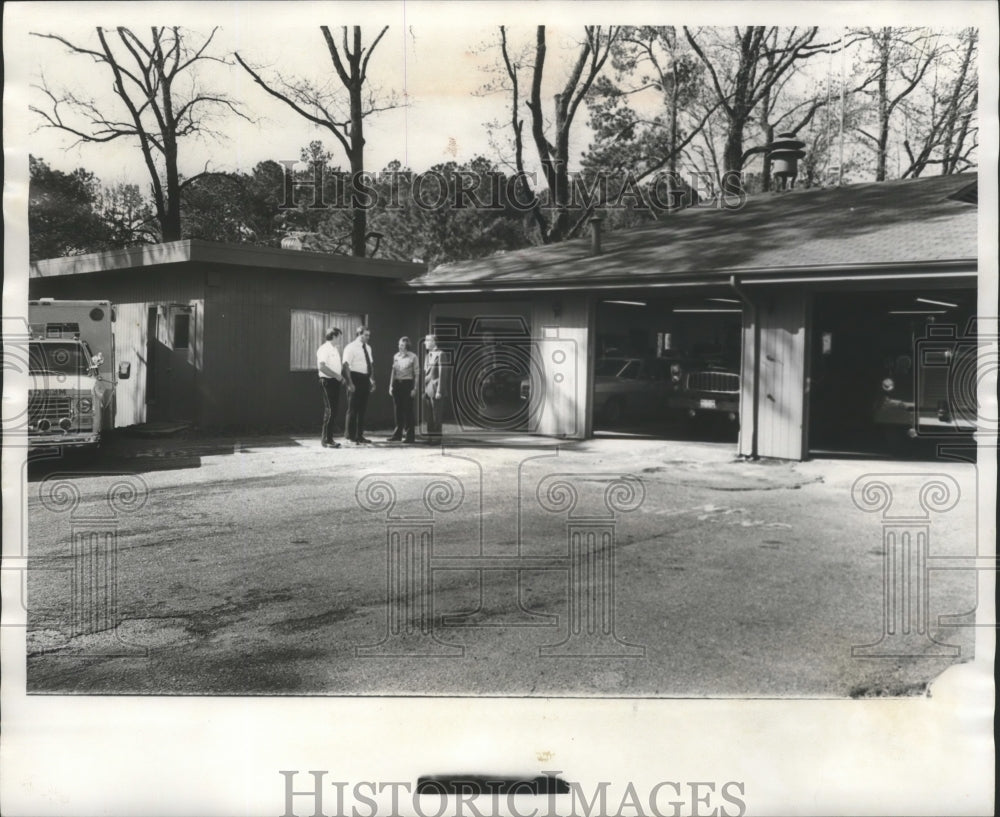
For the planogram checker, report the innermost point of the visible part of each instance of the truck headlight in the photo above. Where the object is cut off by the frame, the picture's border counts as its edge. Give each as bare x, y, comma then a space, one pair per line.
888, 384
85, 405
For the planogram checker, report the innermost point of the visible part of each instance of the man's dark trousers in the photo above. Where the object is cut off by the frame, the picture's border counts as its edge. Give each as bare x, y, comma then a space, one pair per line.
357, 404
402, 400
331, 396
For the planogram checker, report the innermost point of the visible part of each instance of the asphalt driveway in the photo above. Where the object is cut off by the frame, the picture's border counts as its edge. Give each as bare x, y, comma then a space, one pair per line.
613, 567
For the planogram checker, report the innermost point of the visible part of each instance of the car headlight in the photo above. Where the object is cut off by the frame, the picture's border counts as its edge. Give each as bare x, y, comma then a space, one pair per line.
888, 384
85, 405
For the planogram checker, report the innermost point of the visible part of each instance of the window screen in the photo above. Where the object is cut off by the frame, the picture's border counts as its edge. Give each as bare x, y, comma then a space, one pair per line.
309, 329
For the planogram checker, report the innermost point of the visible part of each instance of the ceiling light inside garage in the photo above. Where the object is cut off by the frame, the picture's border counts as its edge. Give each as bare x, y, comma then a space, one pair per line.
627, 303
706, 309
917, 311
723, 300
936, 303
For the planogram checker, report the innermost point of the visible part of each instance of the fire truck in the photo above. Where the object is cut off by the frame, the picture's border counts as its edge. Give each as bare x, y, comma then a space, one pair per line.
929, 385
71, 362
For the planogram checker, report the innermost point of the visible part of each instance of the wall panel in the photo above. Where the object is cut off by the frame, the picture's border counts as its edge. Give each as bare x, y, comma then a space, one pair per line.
130, 347
562, 326
781, 424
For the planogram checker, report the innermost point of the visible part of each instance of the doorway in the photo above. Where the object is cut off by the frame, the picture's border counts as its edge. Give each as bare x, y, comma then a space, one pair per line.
880, 372
170, 370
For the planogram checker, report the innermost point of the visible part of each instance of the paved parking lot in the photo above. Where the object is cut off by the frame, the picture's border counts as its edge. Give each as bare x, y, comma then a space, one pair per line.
267, 565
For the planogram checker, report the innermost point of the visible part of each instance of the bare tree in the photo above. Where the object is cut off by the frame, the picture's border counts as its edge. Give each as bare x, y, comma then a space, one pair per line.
746, 70
156, 82
780, 111
945, 130
899, 61
324, 106
553, 154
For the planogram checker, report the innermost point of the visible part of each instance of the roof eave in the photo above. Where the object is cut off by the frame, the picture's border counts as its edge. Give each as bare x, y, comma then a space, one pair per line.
965, 267
244, 255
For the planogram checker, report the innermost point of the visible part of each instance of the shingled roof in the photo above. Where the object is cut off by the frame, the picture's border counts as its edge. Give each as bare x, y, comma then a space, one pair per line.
927, 221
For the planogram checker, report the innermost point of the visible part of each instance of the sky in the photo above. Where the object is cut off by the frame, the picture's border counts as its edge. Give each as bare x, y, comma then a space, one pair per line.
435, 56
436, 72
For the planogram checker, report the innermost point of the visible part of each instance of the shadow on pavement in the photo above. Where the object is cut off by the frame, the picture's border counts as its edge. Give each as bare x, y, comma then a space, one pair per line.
124, 453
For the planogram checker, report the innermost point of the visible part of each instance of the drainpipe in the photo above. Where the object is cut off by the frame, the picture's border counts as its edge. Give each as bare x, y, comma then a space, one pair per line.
754, 316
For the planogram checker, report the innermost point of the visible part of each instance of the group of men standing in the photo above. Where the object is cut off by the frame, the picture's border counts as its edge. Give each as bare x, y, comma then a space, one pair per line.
354, 370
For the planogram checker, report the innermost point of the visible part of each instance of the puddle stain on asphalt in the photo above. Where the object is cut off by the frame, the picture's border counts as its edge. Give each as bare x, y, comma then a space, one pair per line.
294, 625
206, 622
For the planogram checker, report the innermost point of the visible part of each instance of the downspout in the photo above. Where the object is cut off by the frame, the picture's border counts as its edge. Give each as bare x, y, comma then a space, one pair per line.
754, 316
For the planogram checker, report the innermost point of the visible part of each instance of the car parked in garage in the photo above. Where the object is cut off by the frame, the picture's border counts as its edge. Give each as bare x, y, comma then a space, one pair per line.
631, 388
708, 388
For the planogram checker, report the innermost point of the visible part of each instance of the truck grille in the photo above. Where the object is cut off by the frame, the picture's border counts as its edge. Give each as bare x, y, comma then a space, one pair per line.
948, 380
723, 382
42, 406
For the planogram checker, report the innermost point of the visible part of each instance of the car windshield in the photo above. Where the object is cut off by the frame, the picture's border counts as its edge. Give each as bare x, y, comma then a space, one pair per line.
609, 366
57, 358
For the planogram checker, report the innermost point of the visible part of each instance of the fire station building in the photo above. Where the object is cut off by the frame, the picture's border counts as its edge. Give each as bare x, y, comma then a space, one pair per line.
799, 318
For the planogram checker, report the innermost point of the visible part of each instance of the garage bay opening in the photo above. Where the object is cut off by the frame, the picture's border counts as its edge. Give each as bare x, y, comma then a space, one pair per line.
668, 367
892, 373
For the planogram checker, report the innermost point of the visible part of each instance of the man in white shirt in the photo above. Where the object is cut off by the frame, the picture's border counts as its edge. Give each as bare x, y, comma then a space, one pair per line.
330, 377
360, 383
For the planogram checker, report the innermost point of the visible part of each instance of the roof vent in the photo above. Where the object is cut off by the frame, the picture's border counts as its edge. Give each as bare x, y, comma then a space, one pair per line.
785, 152
595, 235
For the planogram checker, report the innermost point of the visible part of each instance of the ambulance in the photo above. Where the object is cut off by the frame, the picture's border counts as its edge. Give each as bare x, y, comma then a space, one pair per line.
71, 363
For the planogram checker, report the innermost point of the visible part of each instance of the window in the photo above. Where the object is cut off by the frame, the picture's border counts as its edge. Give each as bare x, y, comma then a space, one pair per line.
182, 330
631, 371
309, 328
57, 358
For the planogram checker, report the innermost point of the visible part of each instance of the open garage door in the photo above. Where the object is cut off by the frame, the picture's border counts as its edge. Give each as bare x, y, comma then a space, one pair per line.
489, 352
668, 367
892, 373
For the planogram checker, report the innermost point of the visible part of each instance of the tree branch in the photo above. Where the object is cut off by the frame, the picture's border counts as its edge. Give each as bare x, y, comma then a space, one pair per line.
326, 123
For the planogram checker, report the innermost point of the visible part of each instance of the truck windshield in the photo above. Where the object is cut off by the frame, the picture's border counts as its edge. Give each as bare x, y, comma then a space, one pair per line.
57, 358
609, 366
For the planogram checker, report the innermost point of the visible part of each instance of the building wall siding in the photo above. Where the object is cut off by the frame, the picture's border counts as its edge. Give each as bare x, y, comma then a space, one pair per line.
781, 424
248, 382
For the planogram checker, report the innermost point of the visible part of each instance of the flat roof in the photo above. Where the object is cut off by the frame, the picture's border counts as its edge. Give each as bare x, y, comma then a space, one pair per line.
909, 226
243, 255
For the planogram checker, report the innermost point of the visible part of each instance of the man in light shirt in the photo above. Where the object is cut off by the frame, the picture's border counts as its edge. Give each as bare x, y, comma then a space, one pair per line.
360, 383
434, 386
330, 377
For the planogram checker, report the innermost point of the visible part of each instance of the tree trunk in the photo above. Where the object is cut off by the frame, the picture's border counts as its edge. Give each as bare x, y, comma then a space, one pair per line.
732, 157
170, 220
765, 181
882, 146
359, 213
